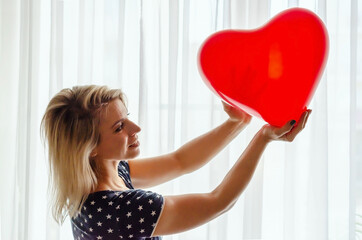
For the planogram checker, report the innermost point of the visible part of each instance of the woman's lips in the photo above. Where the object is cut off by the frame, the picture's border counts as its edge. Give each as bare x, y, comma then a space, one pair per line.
135, 144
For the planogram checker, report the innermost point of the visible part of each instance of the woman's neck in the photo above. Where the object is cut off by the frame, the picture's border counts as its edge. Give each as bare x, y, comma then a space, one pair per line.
108, 178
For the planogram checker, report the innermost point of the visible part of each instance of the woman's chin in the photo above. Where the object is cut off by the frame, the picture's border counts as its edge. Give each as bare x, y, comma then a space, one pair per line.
133, 153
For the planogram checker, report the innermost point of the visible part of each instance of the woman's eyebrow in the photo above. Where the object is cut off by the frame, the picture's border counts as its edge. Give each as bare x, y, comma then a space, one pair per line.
120, 120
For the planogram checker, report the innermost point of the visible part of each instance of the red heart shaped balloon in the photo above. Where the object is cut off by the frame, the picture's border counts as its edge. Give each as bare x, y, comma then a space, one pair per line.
270, 72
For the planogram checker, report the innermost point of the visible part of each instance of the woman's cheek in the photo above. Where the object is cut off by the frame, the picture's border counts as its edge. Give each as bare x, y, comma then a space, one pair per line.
123, 145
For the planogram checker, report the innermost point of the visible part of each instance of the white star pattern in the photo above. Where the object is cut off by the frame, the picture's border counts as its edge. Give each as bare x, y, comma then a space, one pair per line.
130, 214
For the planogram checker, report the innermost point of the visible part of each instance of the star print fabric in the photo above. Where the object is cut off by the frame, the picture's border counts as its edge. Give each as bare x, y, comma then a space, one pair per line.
108, 215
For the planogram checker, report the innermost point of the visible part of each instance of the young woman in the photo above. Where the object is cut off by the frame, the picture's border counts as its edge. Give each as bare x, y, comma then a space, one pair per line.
96, 180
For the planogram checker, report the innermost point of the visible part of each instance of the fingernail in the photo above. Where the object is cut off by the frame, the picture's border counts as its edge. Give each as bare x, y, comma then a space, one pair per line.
292, 122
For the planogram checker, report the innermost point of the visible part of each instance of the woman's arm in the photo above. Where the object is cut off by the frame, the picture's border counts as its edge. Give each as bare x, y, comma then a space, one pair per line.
239, 176
199, 151
181, 213
191, 156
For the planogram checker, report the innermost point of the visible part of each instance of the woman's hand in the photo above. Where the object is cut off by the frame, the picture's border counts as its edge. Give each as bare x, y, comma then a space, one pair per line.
236, 115
286, 133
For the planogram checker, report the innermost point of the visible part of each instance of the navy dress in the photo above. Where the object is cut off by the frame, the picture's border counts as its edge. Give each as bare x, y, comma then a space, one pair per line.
108, 215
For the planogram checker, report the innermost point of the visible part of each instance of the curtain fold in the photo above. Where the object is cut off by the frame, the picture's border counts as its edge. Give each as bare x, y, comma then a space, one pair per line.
308, 189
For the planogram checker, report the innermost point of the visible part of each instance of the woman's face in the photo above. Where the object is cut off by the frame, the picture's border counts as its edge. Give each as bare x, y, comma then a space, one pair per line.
118, 133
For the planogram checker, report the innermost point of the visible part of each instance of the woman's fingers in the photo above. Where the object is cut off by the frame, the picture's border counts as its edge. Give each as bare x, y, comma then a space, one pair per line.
302, 121
299, 127
309, 112
285, 129
289, 131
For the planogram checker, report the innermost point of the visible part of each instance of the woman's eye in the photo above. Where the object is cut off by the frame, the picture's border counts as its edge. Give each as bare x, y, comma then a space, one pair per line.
119, 128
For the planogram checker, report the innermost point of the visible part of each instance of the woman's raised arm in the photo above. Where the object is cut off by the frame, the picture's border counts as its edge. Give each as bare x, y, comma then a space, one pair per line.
184, 212
148, 172
202, 149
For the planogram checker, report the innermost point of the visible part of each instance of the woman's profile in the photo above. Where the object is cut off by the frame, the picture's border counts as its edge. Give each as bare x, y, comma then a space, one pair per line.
96, 178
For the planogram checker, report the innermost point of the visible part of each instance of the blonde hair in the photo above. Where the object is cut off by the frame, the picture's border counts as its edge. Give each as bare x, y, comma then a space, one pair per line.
71, 126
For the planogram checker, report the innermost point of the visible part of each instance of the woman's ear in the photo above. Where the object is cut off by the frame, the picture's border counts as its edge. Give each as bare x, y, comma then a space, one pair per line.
93, 153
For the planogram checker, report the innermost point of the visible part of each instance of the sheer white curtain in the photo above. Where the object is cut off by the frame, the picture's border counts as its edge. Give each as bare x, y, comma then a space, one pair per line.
310, 189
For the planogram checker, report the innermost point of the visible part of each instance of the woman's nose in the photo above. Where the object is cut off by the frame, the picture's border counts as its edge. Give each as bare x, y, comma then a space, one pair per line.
135, 129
